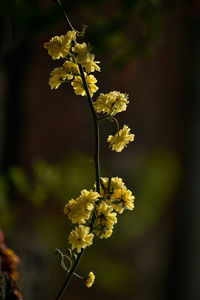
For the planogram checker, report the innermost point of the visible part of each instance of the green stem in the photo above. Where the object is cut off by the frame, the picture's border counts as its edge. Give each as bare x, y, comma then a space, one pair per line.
116, 122
96, 128
66, 17
70, 274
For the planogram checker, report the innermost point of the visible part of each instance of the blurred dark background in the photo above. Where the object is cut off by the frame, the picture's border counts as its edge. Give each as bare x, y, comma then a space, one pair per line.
149, 49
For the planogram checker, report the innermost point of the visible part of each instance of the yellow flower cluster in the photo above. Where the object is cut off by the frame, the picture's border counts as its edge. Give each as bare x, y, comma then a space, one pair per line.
79, 88
114, 192
111, 103
79, 210
99, 211
59, 46
74, 53
105, 220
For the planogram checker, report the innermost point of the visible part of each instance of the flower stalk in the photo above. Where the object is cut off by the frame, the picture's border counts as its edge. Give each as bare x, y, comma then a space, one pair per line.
96, 210
96, 129
96, 156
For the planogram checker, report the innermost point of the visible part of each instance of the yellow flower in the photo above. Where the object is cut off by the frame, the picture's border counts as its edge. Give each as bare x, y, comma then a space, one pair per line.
78, 211
70, 36
59, 46
105, 220
121, 139
56, 47
79, 88
80, 238
108, 185
90, 65
111, 103
90, 279
82, 53
89, 197
122, 199
71, 68
57, 77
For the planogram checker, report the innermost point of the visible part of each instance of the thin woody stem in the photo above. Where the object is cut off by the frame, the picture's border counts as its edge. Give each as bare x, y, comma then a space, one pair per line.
96, 154
116, 122
96, 128
66, 17
70, 274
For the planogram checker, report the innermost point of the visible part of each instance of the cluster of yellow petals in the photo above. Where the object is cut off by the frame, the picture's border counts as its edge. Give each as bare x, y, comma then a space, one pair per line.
122, 199
59, 46
57, 76
77, 84
99, 210
81, 238
61, 74
105, 220
111, 103
66, 46
114, 192
120, 140
84, 57
108, 185
79, 210
82, 52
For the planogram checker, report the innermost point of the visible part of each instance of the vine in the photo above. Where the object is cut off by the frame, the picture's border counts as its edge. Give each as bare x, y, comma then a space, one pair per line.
95, 211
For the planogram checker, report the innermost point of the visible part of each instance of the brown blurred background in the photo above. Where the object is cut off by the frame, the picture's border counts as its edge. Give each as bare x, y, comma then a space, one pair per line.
149, 49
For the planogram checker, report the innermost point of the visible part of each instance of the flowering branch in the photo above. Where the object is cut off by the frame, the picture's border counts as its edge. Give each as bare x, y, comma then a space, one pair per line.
97, 208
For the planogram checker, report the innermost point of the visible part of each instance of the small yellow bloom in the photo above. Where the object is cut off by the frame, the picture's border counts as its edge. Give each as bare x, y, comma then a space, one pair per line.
108, 185
70, 36
78, 211
90, 65
77, 84
105, 220
90, 279
71, 67
81, 238
122, 199
59, 46
56, 47
111, 103
121, 139
105, 215
57, 77
82, 53
89, 197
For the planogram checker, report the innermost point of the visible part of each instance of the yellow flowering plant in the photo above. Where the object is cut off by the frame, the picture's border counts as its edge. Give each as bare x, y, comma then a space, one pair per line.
95, 211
